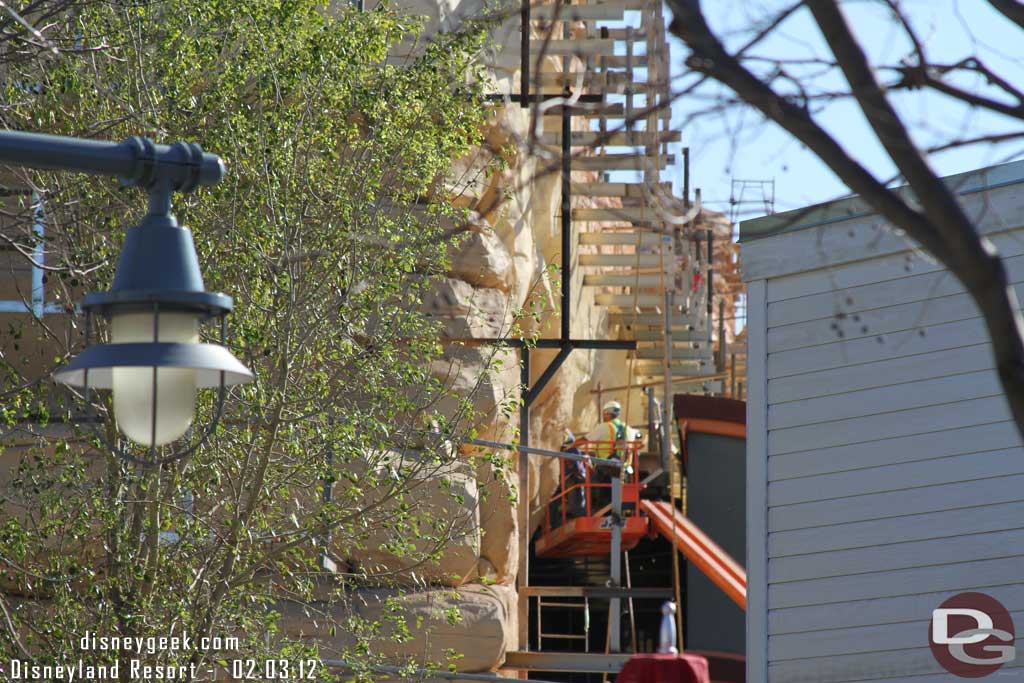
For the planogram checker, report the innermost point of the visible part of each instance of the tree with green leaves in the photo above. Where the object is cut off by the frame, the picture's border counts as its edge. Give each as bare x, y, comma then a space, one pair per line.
328, 230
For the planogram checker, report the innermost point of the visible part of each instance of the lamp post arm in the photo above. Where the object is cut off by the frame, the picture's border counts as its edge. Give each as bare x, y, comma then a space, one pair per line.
136, 161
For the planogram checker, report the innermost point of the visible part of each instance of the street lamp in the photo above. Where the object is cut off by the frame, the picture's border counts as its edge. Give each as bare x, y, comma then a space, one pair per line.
154, 363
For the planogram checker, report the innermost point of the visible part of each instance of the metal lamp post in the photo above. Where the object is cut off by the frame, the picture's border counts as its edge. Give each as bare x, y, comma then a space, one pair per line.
154, 363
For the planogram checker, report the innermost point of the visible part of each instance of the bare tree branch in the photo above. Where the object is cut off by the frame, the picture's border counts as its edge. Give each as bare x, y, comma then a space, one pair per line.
941, 226
1011, 9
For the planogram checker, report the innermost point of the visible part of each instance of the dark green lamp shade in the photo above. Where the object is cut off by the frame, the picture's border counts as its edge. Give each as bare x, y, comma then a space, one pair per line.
208, 360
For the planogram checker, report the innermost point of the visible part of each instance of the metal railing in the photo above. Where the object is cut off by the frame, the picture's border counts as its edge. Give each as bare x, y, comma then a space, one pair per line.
578, 483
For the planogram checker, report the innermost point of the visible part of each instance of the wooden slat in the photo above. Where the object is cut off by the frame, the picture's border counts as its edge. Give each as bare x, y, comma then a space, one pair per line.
624, 34
942, 524
917, 288
635, 214
874, 271
677, 320
868, 349
632, 238
878, 585
935, 443
626, 280
677, 343
880, 321
886, 666
868, 612
622, 162
621, 260
888, 425
613, 111
613, 189
629, 300
915, 501
867, 237
654, 366
587, 47
902, 396
899, 556
825, 488
894, 371
678, 335
853, 641
610, 139
701, 353
605, 11
619, 61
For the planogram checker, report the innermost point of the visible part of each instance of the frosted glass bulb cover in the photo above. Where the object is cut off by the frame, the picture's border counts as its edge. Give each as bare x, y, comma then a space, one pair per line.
133, 386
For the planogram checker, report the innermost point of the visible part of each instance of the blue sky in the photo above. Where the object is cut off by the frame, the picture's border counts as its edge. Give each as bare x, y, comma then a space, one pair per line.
737, 144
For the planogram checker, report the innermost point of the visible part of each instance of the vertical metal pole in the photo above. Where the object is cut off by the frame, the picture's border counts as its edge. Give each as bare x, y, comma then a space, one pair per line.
721, 335
39, 256
732, 373
614, 606
566, 219
666, 434
524, 59
686, 177
326, 563
711, 274
524, 502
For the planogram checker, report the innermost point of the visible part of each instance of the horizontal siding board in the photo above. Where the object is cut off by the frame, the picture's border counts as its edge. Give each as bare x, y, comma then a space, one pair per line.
881, 373
888, 425
845, 352
916, 501
865, 402
917, 316
956, 577
895, 472
889, 665
971, 546
865, 237
943, 524
914, 288
875, 270
958, 468
936, 443
850, 641
880, 611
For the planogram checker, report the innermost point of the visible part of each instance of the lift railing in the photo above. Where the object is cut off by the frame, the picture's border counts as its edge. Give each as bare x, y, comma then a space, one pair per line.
584, 491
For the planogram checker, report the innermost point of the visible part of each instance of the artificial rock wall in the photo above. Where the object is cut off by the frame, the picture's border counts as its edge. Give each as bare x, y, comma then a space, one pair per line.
505, 265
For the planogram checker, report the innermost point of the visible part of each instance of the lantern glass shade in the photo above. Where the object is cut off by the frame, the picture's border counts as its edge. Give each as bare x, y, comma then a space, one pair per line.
148, 417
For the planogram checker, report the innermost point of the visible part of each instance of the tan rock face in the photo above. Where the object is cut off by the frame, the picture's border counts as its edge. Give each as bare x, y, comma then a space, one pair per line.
477, 621
446, 493
483, 261
467, 311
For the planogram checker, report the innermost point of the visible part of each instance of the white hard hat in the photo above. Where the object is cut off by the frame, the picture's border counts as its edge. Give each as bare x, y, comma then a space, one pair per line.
613, 407
568, 437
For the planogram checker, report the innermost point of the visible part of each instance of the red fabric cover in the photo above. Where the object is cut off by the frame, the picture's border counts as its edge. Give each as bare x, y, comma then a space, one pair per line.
655, 668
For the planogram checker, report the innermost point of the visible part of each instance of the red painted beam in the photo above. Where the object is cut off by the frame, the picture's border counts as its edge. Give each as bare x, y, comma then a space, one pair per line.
699, 549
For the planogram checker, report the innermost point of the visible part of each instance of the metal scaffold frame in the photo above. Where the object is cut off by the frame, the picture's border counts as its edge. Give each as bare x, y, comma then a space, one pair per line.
656, 221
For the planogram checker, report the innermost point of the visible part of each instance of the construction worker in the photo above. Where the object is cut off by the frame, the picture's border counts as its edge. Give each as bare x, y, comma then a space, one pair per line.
608, 438
607, 442
575, 475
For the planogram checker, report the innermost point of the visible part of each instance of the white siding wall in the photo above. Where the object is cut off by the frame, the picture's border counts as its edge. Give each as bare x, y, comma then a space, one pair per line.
882, 458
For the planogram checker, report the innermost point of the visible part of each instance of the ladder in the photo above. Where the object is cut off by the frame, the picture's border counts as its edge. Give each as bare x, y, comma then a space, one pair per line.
563, 603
